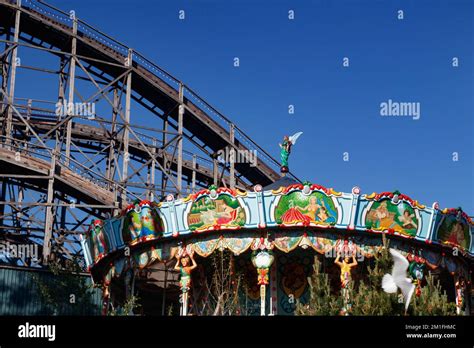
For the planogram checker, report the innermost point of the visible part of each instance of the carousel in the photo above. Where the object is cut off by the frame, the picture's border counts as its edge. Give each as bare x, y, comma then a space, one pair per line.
266, 239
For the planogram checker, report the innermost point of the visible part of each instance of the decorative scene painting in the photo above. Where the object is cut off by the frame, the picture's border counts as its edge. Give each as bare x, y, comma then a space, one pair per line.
98, 240
224, 211
454, 231
401, 218
297, 207
142, 222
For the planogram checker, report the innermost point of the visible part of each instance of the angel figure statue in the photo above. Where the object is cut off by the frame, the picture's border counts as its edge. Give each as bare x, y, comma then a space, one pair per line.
285, 151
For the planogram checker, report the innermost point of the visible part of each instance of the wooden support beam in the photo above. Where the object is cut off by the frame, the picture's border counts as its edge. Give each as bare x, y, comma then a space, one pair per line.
4, 74
180, 141
126, 131
110, 170
13, 66
151, 183
48, 225
164, 178
3, 194
72, 78
215, 170
193, 185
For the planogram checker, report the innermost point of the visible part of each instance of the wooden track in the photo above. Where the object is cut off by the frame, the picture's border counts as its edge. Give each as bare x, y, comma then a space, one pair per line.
65, 179
87, 132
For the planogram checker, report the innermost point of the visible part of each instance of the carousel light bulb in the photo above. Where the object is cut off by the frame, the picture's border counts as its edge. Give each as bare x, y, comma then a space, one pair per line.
306, 190
263, 259
395, 198
213, 193
356, 190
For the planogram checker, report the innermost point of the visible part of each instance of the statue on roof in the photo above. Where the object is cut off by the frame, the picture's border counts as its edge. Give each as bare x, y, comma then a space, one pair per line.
285, 151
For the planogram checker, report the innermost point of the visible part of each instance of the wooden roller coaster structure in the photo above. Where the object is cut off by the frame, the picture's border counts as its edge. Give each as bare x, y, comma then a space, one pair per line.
60, 168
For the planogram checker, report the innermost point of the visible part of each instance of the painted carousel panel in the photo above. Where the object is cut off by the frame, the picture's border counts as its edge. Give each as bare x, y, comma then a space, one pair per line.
97, 240
225, 211
401, 218
141, 223
296, 207
454, 232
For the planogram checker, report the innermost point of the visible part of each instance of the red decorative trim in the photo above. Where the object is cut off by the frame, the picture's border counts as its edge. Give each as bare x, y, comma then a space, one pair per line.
291, 187
301, 186
226, 190
321, 188
219, 190
390, 195
140, 204
199, 193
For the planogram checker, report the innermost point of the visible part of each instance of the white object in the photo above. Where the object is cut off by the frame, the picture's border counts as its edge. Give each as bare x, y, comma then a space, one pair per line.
263, 260
295, 137
306, 190
398, 278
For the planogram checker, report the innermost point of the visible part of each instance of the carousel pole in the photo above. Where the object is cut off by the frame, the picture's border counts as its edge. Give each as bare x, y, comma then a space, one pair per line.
263, 294
263, 261
184, 310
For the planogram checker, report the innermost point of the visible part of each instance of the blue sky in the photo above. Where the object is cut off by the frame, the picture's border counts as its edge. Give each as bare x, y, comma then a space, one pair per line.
299, 62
